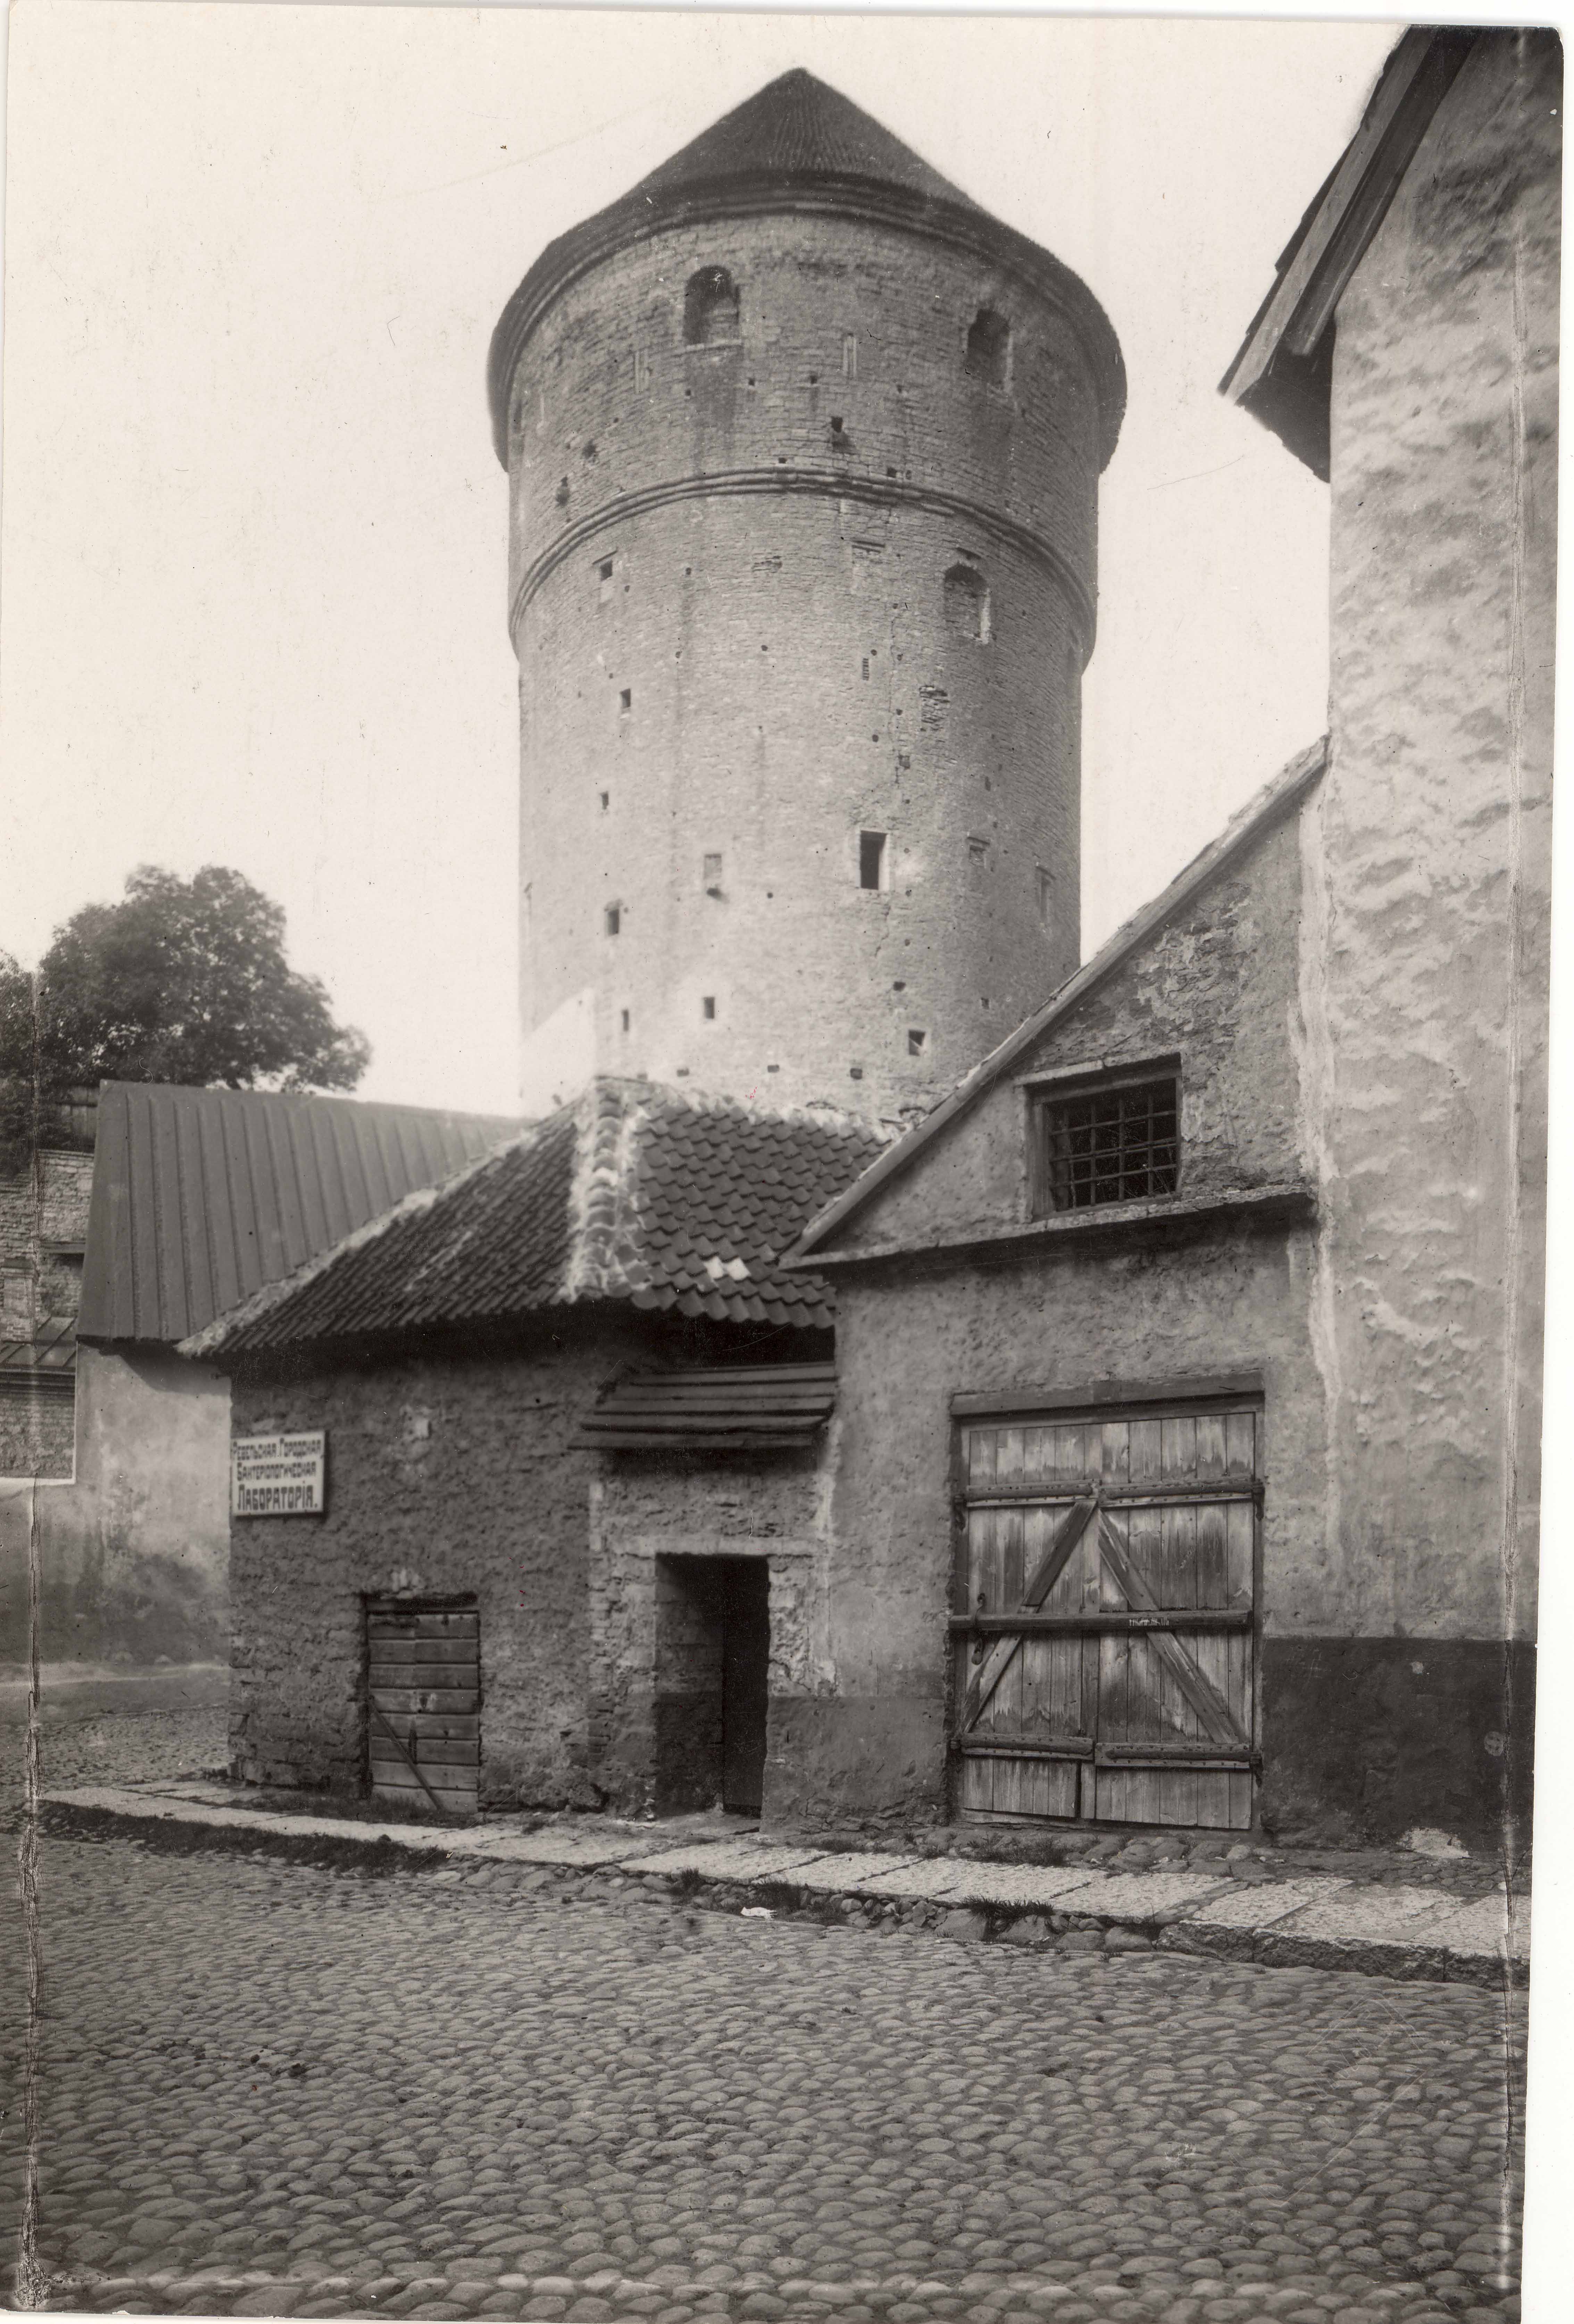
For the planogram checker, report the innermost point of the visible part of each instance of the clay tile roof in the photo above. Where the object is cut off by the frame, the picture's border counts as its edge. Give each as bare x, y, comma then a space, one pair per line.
635, 1194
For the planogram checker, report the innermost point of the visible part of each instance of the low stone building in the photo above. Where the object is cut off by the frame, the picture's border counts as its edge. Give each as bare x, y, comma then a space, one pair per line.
174, 1203
575, 1417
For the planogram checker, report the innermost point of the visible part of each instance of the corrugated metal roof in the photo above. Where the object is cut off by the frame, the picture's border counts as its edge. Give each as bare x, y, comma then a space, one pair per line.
635, 1193
741, 1408
50, 1354
201, 1197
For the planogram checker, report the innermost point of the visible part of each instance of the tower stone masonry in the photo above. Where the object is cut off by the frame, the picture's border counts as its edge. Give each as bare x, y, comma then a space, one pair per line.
802, 450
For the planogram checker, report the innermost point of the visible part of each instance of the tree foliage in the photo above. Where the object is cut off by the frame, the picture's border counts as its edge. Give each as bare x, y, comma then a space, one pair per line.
182, 980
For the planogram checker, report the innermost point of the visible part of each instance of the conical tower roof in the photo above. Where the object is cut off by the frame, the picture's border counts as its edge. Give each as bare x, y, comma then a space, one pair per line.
798, 144
798, 127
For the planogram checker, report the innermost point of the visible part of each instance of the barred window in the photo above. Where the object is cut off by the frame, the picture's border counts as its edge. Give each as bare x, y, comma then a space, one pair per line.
1117, 1144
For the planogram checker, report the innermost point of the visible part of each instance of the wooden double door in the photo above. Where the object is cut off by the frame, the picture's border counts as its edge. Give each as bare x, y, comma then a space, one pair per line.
1104, 1632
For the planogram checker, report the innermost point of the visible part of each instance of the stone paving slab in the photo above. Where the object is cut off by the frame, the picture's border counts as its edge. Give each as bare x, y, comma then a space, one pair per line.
1138, 1895
157, 1807
831, 1874
1373, 1917
581, 1850
1335, 1922
1249, 1906
1483, 1927
908, 1878
213, 1795
725, 1859
961, 1883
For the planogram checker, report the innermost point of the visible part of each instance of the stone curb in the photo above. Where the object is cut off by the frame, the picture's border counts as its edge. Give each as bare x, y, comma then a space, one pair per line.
1311, 1922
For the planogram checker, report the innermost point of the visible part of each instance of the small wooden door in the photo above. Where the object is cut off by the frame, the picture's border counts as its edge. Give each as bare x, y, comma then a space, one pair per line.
423, 1707
1104, 1637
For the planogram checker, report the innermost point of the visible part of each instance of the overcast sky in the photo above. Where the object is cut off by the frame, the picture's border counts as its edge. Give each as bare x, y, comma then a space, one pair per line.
254, 533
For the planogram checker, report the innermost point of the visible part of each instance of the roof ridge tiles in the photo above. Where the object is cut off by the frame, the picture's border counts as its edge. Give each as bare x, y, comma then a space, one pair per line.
634, 1192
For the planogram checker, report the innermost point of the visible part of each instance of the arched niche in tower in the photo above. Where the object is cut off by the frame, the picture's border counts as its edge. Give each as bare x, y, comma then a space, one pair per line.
989, 348
710, 308
967, 603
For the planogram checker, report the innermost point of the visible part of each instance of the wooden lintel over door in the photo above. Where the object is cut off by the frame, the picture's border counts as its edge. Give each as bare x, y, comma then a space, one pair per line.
1104, 1630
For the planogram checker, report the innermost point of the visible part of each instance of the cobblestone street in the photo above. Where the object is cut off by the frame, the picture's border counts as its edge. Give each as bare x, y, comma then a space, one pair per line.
274, 2089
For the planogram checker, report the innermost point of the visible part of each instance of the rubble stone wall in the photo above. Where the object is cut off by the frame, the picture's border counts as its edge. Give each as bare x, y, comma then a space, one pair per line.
444, 1475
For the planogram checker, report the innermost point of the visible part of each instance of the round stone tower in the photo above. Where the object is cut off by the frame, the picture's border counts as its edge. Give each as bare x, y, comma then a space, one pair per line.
803, 449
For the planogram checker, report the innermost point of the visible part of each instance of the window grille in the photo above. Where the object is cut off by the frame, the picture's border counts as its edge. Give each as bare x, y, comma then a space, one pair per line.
1111, 1144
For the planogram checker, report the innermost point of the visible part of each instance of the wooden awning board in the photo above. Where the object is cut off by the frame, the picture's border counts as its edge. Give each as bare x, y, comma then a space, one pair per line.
757, 1407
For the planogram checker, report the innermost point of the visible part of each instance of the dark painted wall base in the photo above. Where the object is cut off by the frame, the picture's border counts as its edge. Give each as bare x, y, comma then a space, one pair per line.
875, 1762
1364, 1739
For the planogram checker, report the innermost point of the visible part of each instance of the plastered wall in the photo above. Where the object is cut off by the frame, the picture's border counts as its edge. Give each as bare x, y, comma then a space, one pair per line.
1386, 1697
779, 512
1426, 949
134, 1548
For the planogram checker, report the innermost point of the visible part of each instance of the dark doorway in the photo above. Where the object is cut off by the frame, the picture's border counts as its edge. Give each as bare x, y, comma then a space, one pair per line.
713, 1648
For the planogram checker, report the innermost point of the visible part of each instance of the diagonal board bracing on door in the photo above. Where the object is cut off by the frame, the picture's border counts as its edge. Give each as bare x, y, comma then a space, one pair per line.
1051, 1566
1218, 1718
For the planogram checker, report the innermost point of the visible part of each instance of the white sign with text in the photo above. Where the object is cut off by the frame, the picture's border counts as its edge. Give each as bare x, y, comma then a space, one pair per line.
278, 1476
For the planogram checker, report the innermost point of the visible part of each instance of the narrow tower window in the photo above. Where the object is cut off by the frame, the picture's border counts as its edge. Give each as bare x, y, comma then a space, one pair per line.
625, 1019
625, 701
710, 308
871, 859
849, 356
708, 1006
1046, 897
612, 919
915, 1041
604, 574
967, 603
988, 349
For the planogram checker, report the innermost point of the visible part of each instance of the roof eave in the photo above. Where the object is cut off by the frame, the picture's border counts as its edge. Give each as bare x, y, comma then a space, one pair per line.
1283, 370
